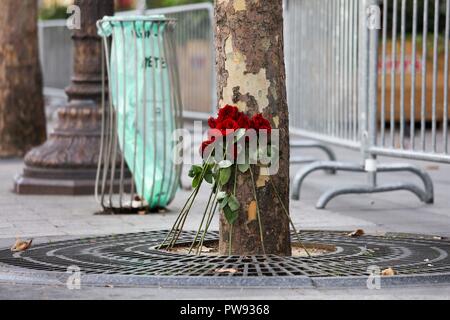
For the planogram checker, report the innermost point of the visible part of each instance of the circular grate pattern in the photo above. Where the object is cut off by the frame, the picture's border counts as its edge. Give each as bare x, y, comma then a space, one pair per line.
134, 254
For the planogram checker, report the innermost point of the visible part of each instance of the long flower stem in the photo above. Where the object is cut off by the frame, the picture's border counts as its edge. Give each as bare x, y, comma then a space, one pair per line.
230, 234
212, 209
211, 215
179, 229
235, 179
177, 221
289, 217
208, 223
202, 222
181, 219
230, 238
257, 211
182, 216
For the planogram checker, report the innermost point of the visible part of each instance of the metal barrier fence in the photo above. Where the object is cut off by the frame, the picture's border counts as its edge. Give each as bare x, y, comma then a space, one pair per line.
363, 78
195, 46
321, 63
420, 78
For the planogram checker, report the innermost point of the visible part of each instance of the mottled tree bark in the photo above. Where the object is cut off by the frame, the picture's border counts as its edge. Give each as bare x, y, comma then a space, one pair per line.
22, 117
251, 75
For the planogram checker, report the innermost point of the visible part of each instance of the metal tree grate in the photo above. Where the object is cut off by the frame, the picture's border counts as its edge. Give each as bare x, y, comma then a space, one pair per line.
135, 254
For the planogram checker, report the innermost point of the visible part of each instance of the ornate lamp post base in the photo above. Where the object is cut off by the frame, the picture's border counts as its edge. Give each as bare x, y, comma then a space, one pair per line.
67, 163
36, 181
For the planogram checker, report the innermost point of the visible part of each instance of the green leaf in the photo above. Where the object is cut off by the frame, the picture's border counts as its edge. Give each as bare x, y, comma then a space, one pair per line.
225, 164
233, 203
210, 167
209, 178
243, 167
224, 202
195, 170
196, 181
230, 215
224, 176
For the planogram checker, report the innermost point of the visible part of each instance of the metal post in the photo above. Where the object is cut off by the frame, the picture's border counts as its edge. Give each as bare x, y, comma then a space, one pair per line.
141, 6
363, 78
373, 17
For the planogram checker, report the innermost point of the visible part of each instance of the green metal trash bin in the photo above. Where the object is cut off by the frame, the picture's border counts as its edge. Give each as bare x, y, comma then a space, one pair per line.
141, 111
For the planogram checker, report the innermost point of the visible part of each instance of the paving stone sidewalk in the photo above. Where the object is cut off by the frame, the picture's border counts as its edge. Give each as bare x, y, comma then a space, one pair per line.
8, 292
44, 216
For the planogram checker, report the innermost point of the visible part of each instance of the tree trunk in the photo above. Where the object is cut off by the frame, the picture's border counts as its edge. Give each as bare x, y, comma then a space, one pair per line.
251, 75
22, 117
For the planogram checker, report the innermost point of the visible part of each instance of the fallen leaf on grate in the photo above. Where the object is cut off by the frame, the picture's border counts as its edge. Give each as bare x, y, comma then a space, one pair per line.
206, 249
20, 245
388, 272
357, 233
252, 212
231, 270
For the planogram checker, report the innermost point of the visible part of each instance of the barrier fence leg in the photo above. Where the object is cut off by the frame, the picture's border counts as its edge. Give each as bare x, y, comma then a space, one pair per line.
425, 193
304, 144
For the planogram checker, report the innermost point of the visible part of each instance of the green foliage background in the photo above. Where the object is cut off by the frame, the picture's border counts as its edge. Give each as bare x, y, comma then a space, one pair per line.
169, 3
53, 12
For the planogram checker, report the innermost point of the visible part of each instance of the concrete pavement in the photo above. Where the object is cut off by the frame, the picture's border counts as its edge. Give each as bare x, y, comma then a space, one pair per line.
38, 216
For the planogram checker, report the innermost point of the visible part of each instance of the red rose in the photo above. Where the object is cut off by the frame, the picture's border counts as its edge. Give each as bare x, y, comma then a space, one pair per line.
213, 133
258, 122
228, 112
228, 121
227, 126
212, 123
206, 144
243, 121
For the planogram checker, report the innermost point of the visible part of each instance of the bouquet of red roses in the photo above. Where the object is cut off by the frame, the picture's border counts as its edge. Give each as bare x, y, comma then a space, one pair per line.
231, 121
226, 152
